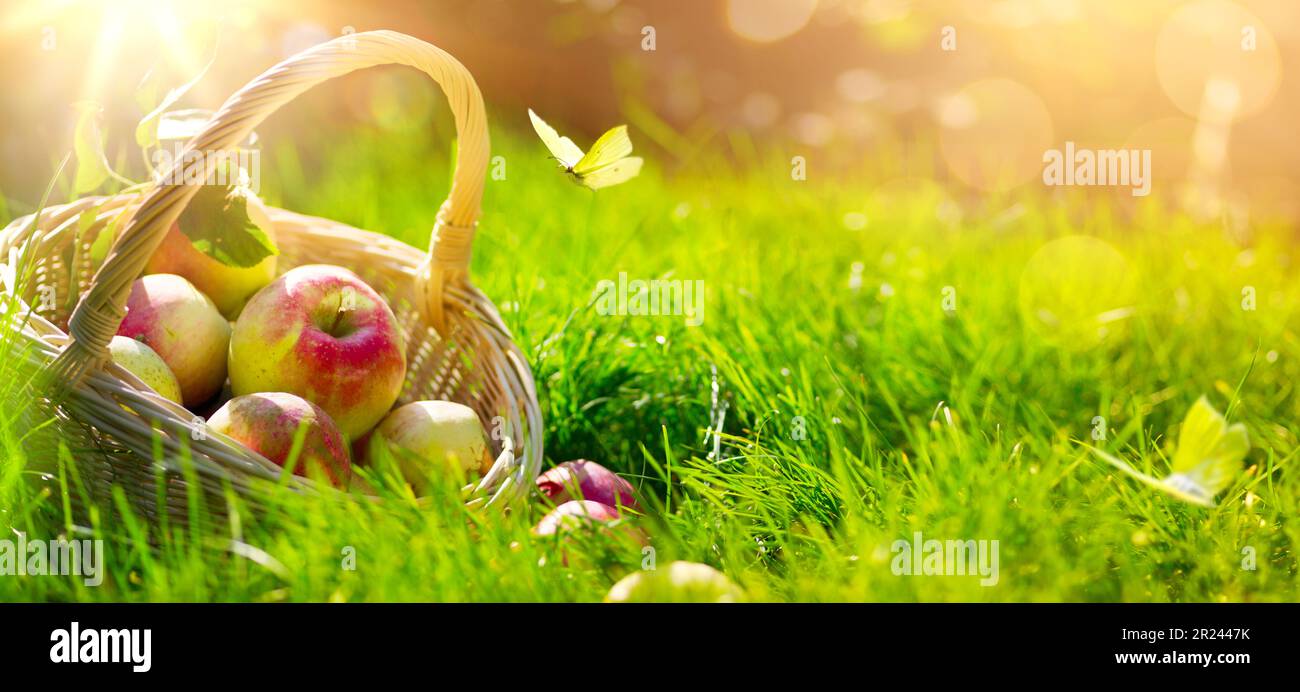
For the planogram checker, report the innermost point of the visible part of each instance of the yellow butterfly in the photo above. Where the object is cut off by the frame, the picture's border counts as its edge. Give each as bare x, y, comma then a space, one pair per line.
1209, 455
607, 163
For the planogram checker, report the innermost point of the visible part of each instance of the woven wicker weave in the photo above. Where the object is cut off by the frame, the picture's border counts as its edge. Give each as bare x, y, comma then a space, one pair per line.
457, 346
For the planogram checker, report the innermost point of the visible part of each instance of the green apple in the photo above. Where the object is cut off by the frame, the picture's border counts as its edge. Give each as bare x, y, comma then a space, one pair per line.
679, 582
431, 437
170, 316
145, 364
320, 332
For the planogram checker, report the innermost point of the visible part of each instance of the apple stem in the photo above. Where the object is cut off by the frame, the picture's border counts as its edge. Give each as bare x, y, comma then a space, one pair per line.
338, 315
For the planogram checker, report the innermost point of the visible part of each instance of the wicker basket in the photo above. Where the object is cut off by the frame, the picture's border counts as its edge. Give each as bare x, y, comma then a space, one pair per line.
457, 346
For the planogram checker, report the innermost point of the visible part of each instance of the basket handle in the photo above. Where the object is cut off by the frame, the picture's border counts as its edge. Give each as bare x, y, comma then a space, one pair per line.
99, 313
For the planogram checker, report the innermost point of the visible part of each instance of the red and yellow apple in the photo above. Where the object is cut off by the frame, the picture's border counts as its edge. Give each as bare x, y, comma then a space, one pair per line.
184, 328
267, 423
431, 437
574, 515
229, 287
587, 532
322, 333
141, 361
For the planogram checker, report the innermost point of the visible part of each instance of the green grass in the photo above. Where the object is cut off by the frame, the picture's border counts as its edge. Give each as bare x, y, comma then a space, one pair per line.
795, 344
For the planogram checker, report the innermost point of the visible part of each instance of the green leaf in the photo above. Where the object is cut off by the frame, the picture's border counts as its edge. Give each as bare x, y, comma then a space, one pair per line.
84, 222
103, 241
100, 245
217, 223
92, 165
146, 132
182, 125
146, 93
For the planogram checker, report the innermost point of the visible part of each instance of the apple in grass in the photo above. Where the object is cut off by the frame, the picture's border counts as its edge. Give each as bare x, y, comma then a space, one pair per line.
183, 327
586, 480
268, 422
144, 363
680, 582
320, 332
427, 438
223, 243
587, 520
574, 515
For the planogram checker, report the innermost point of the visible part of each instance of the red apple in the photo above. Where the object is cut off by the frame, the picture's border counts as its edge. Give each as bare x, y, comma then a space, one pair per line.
321, 333
586, 480
580, 521
228, 287
579, 515
575, 514
266, 423
184, 328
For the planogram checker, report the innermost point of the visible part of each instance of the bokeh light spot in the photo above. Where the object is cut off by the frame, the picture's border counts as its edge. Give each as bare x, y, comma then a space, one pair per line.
766, 21
859, 85
760, 110
1077, 291
993, 133
1217, 61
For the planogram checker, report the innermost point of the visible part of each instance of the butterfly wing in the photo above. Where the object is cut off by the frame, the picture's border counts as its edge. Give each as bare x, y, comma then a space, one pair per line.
620, 171
562, 148
1168, 485
1209, 450
612, 146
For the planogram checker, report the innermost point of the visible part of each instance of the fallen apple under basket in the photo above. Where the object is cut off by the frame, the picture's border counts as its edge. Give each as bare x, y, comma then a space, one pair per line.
457, 346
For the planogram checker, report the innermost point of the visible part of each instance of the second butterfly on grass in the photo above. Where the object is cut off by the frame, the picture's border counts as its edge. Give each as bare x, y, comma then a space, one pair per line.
607, 163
